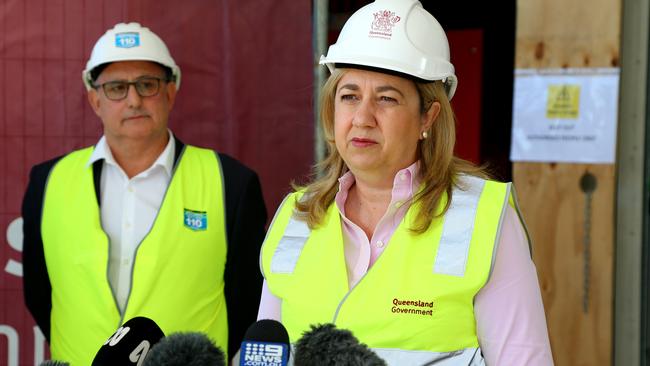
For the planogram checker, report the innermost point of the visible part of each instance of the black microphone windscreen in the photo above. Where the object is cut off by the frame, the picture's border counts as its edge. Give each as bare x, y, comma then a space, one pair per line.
267, 330
326, 345
266, 343
54, 363
130, 343
185, 349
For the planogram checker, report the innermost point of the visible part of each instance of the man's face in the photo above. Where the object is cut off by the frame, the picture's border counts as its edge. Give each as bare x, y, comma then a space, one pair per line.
134, 118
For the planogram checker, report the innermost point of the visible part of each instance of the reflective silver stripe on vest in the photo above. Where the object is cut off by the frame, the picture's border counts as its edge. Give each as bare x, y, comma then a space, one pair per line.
453, 250
290, 246
468, 356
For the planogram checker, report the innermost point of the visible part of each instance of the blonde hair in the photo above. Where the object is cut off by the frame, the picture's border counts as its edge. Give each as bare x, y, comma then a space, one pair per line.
438, 167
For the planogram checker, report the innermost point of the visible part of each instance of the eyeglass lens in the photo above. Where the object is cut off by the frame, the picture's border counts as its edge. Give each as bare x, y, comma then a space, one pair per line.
145, 87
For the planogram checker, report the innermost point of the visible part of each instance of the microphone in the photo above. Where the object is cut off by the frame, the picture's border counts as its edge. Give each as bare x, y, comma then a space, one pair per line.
54, 363
130, 343
326, 345
185, 349
266, 343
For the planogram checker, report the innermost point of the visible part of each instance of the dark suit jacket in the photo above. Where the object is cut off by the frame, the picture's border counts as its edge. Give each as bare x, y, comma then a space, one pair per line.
245, 226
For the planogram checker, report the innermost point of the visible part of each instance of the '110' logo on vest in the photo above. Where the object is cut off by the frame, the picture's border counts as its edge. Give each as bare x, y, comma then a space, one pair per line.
195, 220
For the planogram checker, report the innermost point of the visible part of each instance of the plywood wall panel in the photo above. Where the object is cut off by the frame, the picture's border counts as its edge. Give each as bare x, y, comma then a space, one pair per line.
574, 33
554, 207
570, 34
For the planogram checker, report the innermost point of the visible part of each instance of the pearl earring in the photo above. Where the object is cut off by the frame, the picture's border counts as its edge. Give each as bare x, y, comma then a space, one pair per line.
424, 135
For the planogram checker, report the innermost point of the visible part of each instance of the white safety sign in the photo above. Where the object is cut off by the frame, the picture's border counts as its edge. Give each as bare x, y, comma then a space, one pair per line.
565, 115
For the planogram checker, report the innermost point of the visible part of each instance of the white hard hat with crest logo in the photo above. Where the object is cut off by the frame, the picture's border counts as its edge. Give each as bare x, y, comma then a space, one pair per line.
395, 35
130, 42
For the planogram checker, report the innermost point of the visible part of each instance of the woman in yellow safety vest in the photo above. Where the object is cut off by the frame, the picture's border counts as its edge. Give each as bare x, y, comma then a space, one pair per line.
410, 248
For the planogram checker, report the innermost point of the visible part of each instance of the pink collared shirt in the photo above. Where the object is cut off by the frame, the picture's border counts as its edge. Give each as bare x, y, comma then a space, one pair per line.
509, 312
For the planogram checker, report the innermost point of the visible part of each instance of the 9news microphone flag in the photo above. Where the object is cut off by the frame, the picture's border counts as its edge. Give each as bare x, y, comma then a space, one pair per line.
266, 343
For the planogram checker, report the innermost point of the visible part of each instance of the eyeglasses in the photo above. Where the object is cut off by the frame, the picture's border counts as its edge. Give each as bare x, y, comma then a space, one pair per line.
146, 86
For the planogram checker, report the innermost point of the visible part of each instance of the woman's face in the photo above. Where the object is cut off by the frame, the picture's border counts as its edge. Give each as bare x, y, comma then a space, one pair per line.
377, 122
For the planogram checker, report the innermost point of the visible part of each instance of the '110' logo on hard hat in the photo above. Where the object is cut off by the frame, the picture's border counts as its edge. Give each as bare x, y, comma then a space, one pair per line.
127, 40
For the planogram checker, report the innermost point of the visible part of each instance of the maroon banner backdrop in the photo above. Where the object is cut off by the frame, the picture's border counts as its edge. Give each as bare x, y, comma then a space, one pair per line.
246, 91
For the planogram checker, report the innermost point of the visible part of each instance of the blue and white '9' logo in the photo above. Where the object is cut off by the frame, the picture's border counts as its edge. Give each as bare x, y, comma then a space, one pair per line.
264, 354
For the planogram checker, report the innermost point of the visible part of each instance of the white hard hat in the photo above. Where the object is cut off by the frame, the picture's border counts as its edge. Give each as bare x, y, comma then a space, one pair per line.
397, 35
130, 42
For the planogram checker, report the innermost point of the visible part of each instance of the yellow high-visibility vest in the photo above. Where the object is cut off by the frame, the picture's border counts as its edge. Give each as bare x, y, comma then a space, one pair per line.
177, 275
415, 304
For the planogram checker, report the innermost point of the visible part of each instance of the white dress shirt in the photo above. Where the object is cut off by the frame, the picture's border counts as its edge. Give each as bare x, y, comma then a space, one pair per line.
128, 210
